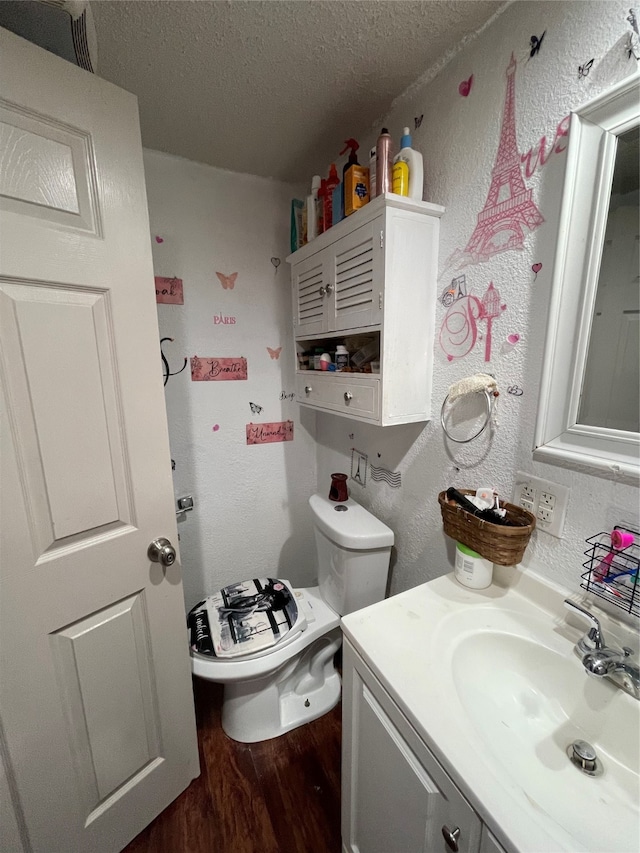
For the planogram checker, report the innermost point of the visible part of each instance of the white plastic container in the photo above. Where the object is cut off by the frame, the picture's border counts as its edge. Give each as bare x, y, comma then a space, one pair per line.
471, 569
413, 159
342, 357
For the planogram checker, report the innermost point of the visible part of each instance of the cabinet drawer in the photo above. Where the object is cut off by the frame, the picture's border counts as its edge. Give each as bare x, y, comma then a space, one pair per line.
352, 395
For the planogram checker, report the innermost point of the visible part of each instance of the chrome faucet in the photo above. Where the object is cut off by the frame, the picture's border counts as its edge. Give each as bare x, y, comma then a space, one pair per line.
604, 661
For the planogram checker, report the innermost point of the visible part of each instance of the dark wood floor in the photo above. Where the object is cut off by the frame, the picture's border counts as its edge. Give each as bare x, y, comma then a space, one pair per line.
277, 796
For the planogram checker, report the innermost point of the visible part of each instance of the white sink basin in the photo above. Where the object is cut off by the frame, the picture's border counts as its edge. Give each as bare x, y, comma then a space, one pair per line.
491, 682
528, 700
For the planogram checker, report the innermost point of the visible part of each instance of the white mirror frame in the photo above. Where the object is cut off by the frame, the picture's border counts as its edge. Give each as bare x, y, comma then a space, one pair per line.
559, 438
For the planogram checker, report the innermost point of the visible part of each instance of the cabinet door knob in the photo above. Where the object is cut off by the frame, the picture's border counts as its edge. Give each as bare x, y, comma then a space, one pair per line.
348, 396
329, 289
308, 389
451, 837
322, 290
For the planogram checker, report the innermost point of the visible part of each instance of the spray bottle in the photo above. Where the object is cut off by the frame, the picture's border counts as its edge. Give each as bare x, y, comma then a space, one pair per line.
355, 180
383, 162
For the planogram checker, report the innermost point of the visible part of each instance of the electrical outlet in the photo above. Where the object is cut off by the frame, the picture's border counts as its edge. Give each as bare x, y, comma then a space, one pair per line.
546, 500
544, 516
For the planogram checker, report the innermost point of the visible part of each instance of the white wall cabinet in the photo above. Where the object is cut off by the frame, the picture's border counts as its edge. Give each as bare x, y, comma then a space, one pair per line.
395, 795
371, 276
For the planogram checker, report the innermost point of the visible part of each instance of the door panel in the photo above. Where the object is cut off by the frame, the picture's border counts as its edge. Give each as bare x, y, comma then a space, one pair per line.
97, 728
356, 300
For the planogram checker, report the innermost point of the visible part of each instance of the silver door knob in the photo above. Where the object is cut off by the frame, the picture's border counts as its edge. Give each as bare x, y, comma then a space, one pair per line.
329, 289
162, 551
321, 291
451, 837
308, 389
348, 396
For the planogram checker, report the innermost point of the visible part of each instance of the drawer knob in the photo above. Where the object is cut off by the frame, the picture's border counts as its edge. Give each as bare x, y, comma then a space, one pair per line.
322, 290
348, 396
308, 389
451, 837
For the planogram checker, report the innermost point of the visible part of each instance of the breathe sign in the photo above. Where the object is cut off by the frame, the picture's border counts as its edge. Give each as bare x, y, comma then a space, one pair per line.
218, 369
268, 433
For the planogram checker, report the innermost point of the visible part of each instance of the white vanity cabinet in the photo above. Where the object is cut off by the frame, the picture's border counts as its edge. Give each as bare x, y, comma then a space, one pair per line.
372, 277
396, 797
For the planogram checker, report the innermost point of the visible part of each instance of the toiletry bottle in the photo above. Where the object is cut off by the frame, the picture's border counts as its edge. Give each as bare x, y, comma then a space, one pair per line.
322, 194
372, 173
383, 162
312, 209
342, 357
331, 183
337, 204
407, 169
355, 180
472, 569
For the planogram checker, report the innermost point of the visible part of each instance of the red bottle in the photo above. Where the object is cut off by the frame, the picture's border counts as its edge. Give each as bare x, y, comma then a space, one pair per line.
322, 194
330, 184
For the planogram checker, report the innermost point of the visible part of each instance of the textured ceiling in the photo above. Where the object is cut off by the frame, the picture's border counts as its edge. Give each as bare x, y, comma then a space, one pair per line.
272, 88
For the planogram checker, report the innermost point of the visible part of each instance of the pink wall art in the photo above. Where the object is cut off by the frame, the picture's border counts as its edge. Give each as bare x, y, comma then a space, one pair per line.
218, 369
274, 353
459, 330
465, 87
509, 210
165, 364
228, 282
270, 433
169, 291
223, 320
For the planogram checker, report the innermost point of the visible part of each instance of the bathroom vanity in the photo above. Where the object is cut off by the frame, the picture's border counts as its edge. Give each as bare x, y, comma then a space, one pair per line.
458, 709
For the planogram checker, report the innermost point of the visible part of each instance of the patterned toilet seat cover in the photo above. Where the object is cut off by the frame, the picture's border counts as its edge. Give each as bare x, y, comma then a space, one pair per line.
244, 618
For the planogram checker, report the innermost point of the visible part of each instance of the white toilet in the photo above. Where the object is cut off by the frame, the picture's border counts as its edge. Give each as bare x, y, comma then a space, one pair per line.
289, 678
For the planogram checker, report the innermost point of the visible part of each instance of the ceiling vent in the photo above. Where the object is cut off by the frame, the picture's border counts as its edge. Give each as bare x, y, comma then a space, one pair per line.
63, 27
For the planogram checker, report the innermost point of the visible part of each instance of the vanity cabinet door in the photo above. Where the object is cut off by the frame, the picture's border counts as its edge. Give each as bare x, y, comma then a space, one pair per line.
396, 798
488, 844
310, 279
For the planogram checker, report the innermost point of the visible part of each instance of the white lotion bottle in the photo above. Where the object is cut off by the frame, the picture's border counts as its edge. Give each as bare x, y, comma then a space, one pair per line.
413, 159
312, 209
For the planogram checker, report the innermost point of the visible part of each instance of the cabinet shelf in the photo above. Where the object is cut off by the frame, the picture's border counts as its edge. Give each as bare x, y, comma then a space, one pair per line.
373, 275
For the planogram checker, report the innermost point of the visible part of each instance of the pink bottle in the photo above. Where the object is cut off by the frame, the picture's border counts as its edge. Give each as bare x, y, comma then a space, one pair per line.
384, 162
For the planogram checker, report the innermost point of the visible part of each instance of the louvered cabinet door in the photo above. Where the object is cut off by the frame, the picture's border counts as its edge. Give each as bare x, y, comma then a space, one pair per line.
356, 274
310, 295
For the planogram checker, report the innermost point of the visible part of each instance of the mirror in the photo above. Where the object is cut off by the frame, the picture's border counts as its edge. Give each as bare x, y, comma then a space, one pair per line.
589, 411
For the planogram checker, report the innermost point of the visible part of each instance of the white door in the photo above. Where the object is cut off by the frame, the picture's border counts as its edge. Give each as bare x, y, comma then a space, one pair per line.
97, 730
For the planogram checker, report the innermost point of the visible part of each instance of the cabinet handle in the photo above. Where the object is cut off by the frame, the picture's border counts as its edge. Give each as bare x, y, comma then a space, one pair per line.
451, 837
348, 396
321, 290
308, 389
329, 289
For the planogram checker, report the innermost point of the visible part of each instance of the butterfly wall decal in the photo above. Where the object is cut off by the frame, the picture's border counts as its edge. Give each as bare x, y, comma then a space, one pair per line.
583, 70
255, 408
227, 281
418, 120
274, 353
633, 43
535, 44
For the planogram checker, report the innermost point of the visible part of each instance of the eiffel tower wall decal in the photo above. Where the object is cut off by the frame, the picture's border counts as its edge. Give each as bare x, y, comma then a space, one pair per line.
509, 211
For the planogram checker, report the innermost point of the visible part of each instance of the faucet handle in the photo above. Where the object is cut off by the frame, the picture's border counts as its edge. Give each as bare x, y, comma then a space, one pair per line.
595, 632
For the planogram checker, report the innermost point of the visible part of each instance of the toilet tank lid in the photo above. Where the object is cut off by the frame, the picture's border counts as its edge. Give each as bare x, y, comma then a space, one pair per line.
353, 527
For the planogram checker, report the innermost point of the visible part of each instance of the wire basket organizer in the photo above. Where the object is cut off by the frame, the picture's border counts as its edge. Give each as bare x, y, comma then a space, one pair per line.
616, 580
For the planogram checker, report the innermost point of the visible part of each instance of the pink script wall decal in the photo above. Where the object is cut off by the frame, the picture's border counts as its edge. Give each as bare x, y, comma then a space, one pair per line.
218, 369
269, 433
169, 291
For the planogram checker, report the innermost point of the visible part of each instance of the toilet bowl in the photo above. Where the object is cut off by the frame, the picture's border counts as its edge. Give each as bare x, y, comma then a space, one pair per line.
290, 678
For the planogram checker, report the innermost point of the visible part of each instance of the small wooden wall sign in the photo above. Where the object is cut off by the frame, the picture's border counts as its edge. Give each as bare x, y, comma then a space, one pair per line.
268, 433
217, 369
169, 291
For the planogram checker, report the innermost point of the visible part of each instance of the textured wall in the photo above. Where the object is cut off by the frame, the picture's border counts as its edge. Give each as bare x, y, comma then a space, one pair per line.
459, 139
251, 514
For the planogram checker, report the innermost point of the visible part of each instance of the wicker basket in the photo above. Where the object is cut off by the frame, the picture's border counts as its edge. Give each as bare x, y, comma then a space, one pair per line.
500, 544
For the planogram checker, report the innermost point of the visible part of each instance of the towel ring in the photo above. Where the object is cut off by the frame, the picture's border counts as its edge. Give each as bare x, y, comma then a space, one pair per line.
490, 399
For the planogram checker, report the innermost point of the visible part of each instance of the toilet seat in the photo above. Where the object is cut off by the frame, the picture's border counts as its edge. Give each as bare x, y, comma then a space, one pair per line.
320, 619
245, 618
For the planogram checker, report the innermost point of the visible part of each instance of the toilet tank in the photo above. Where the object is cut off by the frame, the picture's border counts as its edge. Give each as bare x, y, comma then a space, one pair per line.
354, 548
